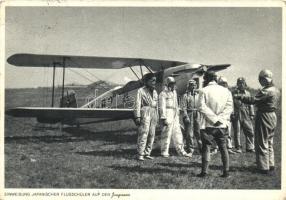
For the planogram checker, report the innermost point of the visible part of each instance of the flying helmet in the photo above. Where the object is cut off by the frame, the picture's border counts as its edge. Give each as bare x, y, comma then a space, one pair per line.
267, 74
192, 82
241, 80
170, 80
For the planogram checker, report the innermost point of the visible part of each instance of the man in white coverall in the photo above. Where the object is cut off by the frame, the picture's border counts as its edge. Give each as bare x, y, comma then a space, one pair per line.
146, 116
169, 117
216, 106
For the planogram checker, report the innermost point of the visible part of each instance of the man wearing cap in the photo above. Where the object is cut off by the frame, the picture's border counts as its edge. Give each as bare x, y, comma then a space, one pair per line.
146, 116
215, 105
242, 118
191, 117
169, 117
266, 101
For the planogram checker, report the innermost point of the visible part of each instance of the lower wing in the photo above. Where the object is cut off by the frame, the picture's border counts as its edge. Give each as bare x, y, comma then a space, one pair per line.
50, 115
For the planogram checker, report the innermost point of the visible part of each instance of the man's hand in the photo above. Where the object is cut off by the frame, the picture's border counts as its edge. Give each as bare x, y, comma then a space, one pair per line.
137, 121
232, 117
252, 117
218, 123
164, 122
238, 96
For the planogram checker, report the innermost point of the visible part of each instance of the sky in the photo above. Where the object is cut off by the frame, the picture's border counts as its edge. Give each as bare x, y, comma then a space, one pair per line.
250, 39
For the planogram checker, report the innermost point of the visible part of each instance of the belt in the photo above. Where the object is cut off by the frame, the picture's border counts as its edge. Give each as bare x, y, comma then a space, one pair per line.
150, 106
192, 110
171, 107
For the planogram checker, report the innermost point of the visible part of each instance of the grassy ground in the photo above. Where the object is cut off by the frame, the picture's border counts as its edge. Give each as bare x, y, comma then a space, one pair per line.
103, 156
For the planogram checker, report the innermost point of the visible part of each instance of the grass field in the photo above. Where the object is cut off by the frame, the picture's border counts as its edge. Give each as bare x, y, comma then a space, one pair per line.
103, 156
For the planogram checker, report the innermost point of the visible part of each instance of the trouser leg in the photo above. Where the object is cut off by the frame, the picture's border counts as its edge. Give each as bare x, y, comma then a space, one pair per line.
165, 140
177, 138
271, 152
198, 134
229, 141
143, 131
236, 129
205, 157
249, 134
262, 148
189, 137
205, 153
151, 135
220, 138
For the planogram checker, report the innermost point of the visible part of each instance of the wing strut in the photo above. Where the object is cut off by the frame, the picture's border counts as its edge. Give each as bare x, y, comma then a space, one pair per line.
64, 70
147, 67
141, 70
134, 73
53, 90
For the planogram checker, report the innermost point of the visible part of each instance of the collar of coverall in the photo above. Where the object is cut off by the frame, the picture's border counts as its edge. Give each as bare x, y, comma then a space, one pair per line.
212, 83
241, 91
194, 92
269, 85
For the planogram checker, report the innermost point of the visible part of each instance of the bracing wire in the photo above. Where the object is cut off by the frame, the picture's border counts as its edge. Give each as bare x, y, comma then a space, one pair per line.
80, 75
87, 71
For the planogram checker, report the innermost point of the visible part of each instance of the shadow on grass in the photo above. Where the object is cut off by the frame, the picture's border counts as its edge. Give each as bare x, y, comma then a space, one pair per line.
149, 170
38, 139
251, 169
117, 136
76, 135
120, 153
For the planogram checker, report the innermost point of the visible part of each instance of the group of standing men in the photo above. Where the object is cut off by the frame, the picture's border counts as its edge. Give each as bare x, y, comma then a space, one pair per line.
207, 115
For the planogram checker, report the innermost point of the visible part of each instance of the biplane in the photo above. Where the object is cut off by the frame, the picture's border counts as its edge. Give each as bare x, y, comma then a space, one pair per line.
114, 104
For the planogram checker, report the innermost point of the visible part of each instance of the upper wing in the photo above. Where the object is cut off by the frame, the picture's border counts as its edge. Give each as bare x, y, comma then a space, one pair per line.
63, 113
37, 60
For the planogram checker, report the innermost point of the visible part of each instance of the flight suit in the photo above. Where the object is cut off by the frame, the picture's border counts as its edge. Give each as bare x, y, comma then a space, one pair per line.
169, 110
242, 121
266, 101
146, 107
192, 129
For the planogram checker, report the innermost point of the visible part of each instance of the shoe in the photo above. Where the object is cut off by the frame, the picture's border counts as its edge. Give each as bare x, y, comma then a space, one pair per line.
202, 174
165, 156
225, 174
271, 168
262, 171
149, 157
238, 150
230, 151
141, 158
213, 151
250, 150
189, 155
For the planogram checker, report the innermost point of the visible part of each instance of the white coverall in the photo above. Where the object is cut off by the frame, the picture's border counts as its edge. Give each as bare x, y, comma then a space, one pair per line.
169, 110
146, 109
